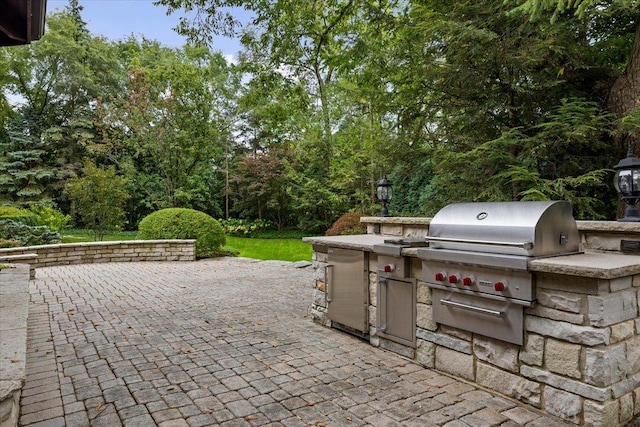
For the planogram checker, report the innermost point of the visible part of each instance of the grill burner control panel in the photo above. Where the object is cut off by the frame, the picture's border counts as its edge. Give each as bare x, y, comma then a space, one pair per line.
514, 284
470, 282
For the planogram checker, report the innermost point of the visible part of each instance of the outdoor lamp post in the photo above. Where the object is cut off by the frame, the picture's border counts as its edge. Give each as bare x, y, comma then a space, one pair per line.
384, 194
627, 183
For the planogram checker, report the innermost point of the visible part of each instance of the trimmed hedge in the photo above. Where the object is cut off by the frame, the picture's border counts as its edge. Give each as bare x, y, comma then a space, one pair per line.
182, 223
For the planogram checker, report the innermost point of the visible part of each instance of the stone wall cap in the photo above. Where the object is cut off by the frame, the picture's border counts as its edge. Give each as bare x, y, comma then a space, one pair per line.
127, 242
91, 244
610, 226
18, 257
591, 264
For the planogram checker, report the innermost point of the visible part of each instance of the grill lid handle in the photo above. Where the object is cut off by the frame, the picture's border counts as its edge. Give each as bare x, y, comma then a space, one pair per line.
523, 245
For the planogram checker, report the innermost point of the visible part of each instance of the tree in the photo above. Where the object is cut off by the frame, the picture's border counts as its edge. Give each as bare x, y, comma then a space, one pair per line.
56, 81
98, 198
612, 24
175, 116
308, 42
614, 30
24, 172
263, 188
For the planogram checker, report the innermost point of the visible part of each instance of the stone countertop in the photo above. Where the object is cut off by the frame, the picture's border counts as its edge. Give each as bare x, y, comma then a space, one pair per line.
361, 242
590, 264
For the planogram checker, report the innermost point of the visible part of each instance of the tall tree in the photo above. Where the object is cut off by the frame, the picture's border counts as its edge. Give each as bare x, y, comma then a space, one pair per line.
612, 26
24, 172
176, 115
57, 80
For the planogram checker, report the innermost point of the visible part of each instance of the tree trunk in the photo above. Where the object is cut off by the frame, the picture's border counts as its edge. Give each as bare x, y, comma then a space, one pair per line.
624, 97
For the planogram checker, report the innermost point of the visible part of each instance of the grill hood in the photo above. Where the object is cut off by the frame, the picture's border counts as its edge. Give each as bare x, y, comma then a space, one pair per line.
532, 229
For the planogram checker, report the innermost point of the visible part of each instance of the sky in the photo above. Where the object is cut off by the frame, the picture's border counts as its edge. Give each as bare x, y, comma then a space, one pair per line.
117, 19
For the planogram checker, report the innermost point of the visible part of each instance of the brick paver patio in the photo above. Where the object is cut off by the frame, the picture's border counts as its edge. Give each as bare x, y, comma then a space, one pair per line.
221, 342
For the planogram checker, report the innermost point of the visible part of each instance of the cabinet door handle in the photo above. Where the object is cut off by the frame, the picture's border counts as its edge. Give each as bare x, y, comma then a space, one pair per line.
385, 283
327, 294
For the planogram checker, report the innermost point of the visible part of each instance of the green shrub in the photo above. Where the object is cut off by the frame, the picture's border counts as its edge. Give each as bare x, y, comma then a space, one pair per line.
19, 215
98, 198
27, 235
9, 243
51, 217
181, 223
348, 223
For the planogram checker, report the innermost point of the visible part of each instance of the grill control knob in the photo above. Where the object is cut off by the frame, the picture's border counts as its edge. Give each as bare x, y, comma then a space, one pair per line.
389, 268
468, 281
499, 286
453, 279
440, 277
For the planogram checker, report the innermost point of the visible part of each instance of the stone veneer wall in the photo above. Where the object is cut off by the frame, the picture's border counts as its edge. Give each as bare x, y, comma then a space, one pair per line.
581, 357
92, 252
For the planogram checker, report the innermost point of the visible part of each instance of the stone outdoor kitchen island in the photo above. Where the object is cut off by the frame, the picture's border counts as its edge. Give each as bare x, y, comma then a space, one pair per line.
580, 358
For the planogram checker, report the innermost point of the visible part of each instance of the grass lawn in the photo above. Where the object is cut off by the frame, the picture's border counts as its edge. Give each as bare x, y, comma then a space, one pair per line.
266, 249
280, 249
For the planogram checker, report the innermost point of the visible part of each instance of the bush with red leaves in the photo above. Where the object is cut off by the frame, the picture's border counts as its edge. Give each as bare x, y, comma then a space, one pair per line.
347, 224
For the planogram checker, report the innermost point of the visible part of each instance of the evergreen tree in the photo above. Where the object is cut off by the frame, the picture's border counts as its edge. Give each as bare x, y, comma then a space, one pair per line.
24, 173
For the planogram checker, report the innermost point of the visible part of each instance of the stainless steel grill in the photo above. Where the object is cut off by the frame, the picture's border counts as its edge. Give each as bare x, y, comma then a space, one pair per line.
478, 256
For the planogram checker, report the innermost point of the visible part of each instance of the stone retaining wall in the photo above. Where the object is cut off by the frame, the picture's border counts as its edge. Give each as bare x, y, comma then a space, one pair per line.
92, 252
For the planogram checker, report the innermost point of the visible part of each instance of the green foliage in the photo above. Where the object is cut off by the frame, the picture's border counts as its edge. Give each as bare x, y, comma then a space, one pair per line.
19, 215
453, 100
182, 223
245, 227
9, 243
348, 223
173, 118
51, 217
24, 172
27, 235
98, 198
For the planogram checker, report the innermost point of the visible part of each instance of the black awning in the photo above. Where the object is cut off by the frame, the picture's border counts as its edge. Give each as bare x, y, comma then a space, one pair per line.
21, 21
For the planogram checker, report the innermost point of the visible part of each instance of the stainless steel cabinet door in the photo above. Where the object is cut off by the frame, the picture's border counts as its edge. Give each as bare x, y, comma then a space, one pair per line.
397, 310
347, 289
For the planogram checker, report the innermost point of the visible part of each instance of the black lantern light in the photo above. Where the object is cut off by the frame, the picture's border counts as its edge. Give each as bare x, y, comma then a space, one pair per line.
384, 194
627, 183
